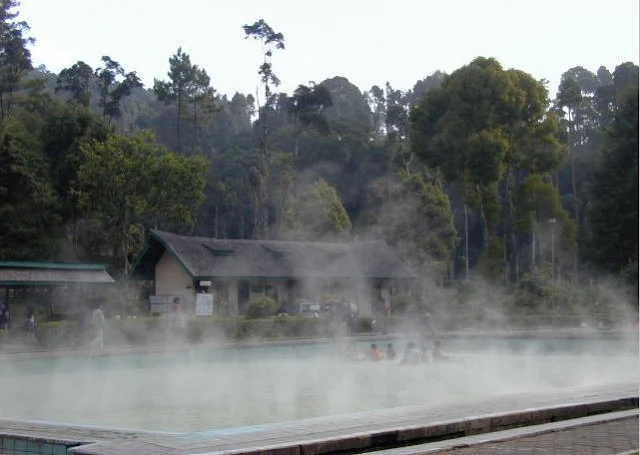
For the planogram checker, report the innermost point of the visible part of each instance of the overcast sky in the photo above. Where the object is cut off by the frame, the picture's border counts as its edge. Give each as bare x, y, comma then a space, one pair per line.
367, 41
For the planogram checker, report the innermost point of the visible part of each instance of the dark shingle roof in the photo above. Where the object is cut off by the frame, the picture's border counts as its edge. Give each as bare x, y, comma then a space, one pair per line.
206, 257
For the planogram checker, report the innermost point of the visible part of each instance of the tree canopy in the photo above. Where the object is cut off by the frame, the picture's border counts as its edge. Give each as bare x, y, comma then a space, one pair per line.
487, 129
473, 172
126, 180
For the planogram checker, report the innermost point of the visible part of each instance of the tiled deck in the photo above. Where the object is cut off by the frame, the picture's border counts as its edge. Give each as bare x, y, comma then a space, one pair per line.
604, 434
353, 432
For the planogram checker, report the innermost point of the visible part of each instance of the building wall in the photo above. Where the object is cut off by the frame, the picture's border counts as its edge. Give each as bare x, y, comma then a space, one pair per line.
364, 292
371, 296
171, 278
278, 287
282, 291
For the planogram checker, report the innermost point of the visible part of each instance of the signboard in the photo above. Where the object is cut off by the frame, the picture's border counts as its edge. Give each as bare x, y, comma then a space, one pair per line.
161, 303
204, 304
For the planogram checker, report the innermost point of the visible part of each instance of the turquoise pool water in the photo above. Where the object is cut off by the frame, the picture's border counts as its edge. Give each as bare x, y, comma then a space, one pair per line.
209, 388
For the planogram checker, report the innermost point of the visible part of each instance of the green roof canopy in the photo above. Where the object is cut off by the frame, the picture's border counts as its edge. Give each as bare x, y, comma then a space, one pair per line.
19, 273
51, 265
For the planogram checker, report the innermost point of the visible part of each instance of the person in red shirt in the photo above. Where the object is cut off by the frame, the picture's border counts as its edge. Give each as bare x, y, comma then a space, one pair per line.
376, 355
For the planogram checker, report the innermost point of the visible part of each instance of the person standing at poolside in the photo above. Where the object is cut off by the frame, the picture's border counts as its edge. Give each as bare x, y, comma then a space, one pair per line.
30, 325
176, 318
5, 316
98, 322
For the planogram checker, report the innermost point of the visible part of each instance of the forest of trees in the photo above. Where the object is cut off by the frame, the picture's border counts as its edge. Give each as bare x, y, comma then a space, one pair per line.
482, 172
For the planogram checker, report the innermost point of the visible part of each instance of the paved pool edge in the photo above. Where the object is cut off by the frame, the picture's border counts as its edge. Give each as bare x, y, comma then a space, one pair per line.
420, 434
377, 430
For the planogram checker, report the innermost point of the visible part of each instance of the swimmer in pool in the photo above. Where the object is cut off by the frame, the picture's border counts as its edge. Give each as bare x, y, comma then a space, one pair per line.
411, 354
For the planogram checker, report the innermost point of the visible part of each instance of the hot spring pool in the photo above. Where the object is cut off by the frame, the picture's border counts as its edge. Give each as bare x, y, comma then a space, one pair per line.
208, 388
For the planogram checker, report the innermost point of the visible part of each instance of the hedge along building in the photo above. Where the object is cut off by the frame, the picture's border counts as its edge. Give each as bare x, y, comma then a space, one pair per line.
234, 272
51, 288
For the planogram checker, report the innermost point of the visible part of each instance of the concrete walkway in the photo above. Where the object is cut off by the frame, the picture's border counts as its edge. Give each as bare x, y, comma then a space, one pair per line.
604, 434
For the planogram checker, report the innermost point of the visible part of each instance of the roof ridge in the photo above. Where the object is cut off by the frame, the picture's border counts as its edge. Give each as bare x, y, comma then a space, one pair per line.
267, 241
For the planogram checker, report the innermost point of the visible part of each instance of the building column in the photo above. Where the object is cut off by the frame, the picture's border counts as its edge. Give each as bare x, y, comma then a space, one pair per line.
233, 297
385, 293
365, 294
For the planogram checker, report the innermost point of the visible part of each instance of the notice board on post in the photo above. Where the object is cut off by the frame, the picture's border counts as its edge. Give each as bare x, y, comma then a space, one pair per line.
204, 304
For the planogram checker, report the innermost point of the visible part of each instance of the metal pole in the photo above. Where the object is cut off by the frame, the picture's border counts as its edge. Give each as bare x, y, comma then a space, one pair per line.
553, 248
466, 243
553, 251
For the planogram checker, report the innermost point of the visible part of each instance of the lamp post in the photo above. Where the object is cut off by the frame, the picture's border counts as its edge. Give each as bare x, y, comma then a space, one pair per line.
552, 221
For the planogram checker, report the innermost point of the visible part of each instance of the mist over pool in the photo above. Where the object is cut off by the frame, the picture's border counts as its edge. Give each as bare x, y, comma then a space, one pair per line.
211, 388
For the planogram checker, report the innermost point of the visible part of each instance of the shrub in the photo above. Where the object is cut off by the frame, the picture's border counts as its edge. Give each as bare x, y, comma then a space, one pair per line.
262, 307
197, 329
299, 326
143, 330
58, 333
364, 325
400, 303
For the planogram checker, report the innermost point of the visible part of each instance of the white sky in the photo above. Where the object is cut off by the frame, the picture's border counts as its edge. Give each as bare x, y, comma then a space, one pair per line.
369, 42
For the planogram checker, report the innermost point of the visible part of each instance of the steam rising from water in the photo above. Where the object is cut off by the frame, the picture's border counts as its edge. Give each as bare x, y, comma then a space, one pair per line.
203, 389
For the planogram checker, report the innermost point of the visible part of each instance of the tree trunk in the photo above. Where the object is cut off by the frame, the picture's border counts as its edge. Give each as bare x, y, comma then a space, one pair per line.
533, 250
75, 229
574, 186
178, 122
390, 179
505, 226
576, 210
123, 240
296, 134
2, 109
243, 224
263, 195
195, 124
256, 213
451, 267
483, 219
262, 223
215, 222
126, 260
510, 244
